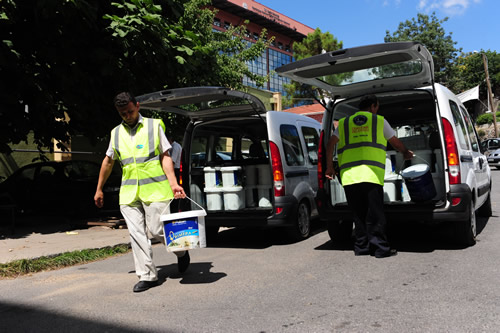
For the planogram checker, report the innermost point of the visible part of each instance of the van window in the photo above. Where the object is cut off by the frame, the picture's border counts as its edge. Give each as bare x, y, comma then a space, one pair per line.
291, 145
224, 148
312, 141
472, 132
198, 151
459, 124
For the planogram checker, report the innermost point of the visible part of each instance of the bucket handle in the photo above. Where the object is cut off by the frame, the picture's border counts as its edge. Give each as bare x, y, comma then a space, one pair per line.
179, 199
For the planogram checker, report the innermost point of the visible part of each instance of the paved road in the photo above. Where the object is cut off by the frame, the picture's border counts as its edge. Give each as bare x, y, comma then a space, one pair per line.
251, 281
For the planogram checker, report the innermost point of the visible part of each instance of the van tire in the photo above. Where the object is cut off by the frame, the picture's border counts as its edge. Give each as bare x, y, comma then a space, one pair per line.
302, 225
485, 209
465, 231
211, 234
340, 231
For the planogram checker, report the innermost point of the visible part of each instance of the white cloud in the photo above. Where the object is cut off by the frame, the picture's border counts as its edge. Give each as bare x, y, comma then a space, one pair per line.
449, 7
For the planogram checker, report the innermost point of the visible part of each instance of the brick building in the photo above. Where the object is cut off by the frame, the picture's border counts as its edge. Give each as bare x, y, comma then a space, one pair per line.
285, 30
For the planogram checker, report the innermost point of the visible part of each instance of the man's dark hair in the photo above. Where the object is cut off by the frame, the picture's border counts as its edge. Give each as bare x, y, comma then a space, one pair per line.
367, 101
123, 98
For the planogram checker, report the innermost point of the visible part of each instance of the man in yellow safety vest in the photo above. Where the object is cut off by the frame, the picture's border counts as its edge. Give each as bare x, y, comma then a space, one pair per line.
362, 140
148, 184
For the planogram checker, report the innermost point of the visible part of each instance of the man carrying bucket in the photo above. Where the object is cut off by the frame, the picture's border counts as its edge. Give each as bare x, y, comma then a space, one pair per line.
148, 184
362, 142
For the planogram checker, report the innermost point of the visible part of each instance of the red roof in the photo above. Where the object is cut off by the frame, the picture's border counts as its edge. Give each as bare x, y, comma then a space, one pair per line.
314, 111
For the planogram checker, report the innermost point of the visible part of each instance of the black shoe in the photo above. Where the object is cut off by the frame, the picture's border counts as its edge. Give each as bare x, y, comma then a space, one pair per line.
144, 285
183, 262
391, 253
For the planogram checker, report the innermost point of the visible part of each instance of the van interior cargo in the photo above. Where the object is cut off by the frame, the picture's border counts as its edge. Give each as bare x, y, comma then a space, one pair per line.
230, 166
414, 117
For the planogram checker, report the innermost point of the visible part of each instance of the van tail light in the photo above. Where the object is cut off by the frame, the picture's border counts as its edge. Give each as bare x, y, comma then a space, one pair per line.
451, 153
181, 167
321, 184
278, 177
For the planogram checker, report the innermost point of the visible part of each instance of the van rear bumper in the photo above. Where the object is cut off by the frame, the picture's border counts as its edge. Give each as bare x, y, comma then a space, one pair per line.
432, 211
287, 205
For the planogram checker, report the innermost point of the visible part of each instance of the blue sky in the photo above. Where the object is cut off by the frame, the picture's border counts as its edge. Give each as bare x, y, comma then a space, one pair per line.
473, 24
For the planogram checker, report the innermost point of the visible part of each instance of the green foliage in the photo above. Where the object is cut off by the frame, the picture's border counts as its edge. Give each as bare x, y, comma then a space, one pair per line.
61, 58
486, 118
313, 44
28, 266
429, 31
469, 72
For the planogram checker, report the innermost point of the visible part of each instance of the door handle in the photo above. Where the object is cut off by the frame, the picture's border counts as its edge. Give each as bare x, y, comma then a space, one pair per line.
466, 158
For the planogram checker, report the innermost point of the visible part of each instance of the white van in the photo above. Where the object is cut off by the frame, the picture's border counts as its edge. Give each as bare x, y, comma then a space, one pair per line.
244, 165
427, 117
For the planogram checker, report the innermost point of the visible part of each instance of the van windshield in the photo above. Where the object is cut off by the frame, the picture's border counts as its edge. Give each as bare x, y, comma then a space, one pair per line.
405, 68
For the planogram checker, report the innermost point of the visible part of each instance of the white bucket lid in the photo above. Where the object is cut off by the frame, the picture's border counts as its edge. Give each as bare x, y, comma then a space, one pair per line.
230, 168
183, 215
415, 171
232, 189
212, 189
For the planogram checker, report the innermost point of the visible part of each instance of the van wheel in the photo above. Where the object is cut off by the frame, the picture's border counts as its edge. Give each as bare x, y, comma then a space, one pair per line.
465, 231
302, 227
485, 209
340, 231
211, 234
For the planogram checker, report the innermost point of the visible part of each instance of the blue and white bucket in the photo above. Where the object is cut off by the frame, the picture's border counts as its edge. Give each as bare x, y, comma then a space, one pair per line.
418, 180
185, 230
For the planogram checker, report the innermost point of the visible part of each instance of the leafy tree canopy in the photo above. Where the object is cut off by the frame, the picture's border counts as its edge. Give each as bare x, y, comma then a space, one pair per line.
71, 57
469, 72
313, 44
429, 31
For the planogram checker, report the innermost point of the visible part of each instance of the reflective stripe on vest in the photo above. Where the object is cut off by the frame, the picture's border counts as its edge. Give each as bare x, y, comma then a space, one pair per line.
143, 177
361, 149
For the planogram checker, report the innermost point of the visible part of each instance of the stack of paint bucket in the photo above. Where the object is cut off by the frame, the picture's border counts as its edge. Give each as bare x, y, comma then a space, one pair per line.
234, 196
251, 185
265, 184
213, 188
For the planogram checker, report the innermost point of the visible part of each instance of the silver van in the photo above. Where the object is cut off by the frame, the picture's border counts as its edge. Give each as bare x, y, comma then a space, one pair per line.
246, 166
427, 117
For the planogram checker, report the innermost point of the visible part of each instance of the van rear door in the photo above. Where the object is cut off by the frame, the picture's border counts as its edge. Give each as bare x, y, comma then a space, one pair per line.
367, 69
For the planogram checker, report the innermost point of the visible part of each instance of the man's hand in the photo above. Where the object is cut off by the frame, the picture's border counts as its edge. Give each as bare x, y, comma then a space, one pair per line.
99, 199
408, 155
178, 192
330, 172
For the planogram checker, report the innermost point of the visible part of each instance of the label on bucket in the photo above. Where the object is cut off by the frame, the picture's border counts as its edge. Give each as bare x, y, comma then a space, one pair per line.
182, 235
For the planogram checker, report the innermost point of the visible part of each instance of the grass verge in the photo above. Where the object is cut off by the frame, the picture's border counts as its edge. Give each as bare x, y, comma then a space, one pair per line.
27, 266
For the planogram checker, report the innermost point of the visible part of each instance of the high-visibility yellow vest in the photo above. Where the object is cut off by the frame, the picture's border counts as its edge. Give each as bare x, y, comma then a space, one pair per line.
143, 177
361, 148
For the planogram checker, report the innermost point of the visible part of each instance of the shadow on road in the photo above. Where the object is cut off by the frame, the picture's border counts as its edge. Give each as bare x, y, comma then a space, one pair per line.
198, 273
414, 237
257, 237
23, 318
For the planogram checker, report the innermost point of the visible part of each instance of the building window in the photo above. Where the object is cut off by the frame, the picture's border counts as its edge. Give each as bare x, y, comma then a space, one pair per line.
255, 36
287, 48
217, 22
280, 45
226, 25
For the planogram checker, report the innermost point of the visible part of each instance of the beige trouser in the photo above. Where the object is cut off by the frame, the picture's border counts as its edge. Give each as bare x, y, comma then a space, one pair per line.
141, 218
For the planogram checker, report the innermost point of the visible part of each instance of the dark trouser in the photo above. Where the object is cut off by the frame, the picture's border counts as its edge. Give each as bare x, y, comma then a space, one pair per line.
366, 201
174, 206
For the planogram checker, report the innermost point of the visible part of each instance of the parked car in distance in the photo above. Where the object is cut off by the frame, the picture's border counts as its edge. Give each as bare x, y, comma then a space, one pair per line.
494, 158
489, 145
60, 188
245, 165
429, 119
